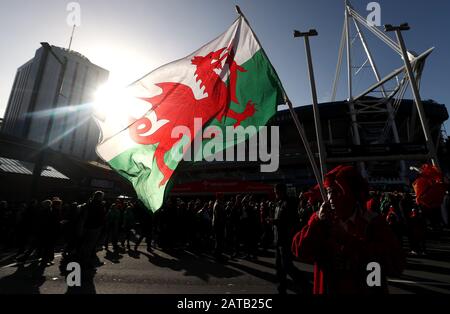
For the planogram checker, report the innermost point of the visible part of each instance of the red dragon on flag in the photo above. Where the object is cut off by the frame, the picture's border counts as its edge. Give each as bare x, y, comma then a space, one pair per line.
181, 96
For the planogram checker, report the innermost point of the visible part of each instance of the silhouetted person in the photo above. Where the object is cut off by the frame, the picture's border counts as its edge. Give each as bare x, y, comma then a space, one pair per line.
128, 225
286, 224
218, 224
445, 209
145, 218
51, 229
417, 232
44, 232
34, 231
250, 226
94, 219
112, 227
235, 226
266, 225
71, 224
23, 226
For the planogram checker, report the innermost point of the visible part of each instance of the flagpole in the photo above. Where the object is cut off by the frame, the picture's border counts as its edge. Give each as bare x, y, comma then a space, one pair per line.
71, 37
320, 144
297, 123
302, 134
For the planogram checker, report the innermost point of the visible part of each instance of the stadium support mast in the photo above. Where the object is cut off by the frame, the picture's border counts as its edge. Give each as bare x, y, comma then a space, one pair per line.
374, 117
415, 90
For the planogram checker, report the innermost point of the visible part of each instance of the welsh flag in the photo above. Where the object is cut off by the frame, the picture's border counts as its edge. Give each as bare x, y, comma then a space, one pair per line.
227, 82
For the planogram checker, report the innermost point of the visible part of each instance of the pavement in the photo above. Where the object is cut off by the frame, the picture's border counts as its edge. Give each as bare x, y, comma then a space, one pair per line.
182, 272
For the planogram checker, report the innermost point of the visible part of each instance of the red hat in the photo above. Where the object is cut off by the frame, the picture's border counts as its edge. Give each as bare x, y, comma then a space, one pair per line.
313, 195
349, 181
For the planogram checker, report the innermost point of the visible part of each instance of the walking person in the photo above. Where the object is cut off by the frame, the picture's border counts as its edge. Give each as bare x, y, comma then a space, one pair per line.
112, 227
94, 219
145, 218
218, 225
286, 224
128, 225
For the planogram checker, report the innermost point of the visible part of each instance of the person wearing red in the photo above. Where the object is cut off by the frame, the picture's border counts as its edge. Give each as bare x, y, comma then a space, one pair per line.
343, 238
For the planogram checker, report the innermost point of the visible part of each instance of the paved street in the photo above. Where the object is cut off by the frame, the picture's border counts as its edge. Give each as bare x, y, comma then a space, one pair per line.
179, 272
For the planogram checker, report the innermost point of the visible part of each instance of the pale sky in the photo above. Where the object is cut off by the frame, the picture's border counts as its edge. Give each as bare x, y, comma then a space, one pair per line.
131, 38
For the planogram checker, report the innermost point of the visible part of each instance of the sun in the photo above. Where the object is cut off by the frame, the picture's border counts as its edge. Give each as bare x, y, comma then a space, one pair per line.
112, 101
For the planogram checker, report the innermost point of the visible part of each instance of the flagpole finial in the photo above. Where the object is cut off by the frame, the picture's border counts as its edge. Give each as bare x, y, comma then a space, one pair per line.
238, 10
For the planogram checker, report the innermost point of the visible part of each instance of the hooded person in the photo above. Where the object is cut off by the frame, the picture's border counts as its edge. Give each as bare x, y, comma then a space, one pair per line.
343, 238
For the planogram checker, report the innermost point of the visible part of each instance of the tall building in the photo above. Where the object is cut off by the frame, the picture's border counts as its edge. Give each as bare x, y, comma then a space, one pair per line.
51, 101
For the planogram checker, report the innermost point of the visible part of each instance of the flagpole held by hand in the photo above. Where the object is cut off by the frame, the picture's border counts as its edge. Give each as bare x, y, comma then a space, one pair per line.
302, 134
300, 129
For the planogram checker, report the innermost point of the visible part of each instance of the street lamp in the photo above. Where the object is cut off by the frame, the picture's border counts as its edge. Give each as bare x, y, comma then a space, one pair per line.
320, 144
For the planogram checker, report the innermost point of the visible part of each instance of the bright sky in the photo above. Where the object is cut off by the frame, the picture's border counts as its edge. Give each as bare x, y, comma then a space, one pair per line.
132, 37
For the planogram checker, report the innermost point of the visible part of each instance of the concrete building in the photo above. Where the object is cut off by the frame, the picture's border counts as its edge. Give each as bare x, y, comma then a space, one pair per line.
50, 102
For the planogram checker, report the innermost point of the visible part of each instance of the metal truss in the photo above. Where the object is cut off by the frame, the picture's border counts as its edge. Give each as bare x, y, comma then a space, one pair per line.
373, 111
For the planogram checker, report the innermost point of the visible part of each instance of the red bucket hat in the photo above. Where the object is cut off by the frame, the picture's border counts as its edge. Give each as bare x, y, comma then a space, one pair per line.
349, 181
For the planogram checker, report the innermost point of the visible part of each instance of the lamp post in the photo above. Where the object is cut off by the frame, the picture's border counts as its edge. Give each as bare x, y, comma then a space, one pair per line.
320, 144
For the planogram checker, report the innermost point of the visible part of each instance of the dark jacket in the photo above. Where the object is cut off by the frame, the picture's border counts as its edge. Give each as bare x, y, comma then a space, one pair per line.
286, 222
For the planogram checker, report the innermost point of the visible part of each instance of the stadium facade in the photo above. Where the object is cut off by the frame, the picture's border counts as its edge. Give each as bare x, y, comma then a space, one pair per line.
382, 161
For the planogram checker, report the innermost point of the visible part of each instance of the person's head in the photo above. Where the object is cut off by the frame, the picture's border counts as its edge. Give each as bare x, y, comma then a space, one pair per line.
346, 188
263, 206
3, 205
46, 205
98, 196
56, 202
312, 196
219, 197
280, 190
303, 200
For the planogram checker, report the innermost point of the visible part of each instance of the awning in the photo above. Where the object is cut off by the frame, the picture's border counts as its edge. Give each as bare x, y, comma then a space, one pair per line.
21, 167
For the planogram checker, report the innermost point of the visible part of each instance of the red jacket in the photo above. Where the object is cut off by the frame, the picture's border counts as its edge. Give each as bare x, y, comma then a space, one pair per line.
341, 254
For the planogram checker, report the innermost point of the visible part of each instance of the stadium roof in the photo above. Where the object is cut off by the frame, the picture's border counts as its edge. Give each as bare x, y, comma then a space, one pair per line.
340, 110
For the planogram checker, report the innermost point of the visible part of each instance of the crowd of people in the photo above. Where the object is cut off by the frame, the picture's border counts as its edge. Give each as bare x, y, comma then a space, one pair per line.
352, 226
236, 225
